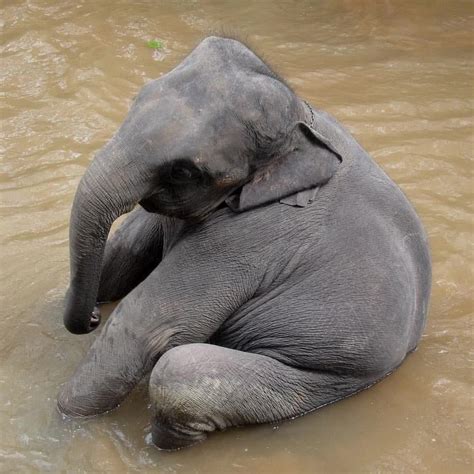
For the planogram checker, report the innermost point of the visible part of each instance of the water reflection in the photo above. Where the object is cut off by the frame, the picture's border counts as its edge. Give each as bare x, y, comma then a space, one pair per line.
398, 74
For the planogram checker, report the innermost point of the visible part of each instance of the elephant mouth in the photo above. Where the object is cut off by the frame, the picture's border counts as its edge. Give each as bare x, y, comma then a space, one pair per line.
188, 209
150, 205
192, 215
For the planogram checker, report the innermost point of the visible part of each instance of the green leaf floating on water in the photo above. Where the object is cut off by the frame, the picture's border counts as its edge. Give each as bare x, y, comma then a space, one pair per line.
155, 44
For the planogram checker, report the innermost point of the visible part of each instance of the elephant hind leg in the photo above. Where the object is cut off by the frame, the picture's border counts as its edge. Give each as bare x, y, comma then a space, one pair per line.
198, 388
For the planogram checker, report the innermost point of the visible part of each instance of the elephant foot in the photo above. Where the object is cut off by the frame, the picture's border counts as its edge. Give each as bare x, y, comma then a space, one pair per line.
174, 437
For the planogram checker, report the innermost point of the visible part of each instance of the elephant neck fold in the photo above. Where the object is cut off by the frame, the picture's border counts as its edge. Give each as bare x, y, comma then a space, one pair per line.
299, 199
311, 111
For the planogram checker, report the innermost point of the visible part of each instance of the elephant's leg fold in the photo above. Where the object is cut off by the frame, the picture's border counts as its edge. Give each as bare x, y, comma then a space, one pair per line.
198, 388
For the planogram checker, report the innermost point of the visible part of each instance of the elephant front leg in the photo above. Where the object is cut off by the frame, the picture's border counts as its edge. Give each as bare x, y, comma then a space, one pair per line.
139, 331
113, 366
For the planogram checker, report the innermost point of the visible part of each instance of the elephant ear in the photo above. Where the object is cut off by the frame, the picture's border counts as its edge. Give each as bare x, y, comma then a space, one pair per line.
310, 162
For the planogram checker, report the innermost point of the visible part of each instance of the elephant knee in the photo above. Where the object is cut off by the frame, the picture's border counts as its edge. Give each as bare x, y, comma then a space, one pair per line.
178, 396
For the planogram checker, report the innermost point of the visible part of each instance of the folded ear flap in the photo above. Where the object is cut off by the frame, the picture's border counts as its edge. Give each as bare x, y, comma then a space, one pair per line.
310, 162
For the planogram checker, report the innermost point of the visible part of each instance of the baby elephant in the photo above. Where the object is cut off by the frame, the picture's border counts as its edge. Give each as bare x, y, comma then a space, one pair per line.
270, 268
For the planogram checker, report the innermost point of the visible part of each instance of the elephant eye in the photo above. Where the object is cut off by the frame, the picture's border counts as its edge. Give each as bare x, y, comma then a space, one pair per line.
181, 173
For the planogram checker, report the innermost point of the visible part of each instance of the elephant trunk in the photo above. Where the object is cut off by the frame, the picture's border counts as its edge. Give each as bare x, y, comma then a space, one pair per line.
106, 191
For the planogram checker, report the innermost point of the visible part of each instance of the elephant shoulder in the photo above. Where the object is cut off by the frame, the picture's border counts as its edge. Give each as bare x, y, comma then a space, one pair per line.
259, 235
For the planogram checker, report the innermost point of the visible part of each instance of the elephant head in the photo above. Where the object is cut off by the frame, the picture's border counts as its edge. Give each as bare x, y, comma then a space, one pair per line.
220, 124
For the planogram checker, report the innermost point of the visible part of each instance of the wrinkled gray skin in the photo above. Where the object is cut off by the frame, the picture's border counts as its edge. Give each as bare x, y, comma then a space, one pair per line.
276, 268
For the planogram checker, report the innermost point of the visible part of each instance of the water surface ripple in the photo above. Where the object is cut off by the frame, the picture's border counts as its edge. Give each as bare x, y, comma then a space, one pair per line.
397, 73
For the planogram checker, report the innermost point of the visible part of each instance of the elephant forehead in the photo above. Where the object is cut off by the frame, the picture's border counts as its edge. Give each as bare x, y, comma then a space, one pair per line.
216, 68
174, 124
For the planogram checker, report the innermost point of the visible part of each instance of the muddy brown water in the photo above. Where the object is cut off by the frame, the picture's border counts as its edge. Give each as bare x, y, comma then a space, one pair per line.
399, 74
